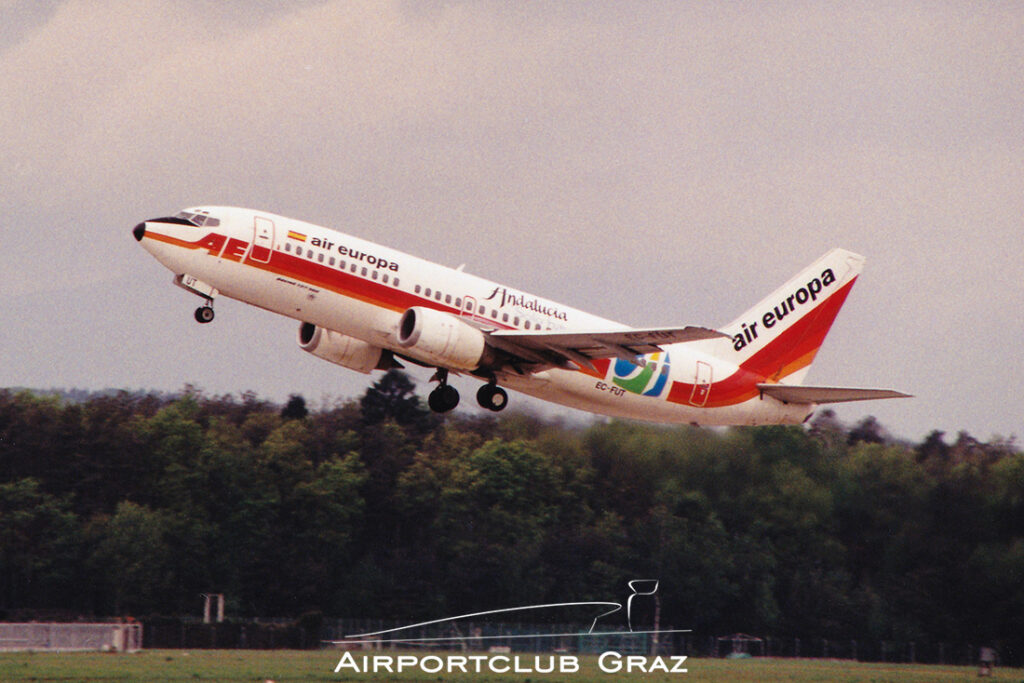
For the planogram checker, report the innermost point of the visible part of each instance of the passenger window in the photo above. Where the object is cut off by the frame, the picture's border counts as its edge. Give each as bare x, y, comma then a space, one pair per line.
341, 264
352, 267
458, 302
320, 258
373, 274
396, 282
494, 314
527, 324
504, 317
364, 271
437, 295
447, 298
287, 246
385, 278
483, 310
516, 321
331, 260
426, 292
416, 288
309, 254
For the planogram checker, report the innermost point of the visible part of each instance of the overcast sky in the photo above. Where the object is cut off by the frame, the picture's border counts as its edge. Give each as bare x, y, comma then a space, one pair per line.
654, 163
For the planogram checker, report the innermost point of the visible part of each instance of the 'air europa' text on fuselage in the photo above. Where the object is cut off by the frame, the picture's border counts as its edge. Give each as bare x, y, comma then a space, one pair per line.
356, 254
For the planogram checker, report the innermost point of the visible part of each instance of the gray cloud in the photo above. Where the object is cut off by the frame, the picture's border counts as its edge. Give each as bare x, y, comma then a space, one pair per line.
656, 163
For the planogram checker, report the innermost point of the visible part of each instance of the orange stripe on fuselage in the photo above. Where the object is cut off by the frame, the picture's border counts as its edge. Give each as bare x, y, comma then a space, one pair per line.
173, 241
340, 282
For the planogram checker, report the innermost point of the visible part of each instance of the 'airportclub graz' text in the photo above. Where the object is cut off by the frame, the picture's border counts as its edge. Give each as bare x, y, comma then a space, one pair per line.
609, 662
769, 319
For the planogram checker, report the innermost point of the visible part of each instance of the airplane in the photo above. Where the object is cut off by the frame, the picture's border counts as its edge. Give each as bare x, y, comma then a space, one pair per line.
368, 307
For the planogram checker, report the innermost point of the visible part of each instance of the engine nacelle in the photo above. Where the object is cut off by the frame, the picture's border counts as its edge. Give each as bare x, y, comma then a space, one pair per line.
349, 352
441, 339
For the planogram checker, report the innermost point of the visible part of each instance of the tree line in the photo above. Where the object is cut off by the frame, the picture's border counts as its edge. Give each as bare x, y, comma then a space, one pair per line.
135, 504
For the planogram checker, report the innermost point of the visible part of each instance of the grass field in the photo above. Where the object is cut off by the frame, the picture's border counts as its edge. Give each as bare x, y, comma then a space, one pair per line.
282, 665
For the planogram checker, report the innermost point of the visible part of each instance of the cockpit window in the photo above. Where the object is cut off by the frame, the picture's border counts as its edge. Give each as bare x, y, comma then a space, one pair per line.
199, 219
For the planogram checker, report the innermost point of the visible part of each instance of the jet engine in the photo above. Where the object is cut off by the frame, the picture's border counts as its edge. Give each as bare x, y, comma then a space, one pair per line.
349, 352
441, 339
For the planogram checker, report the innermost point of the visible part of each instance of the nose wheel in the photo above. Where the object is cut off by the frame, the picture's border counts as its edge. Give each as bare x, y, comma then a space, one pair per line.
204, 314
492, 397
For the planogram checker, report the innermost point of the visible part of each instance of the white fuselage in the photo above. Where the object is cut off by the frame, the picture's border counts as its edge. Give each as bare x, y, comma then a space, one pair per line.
361, 289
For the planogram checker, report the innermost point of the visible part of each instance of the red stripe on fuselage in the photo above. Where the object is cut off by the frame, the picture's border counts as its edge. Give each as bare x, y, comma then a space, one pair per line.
342, 282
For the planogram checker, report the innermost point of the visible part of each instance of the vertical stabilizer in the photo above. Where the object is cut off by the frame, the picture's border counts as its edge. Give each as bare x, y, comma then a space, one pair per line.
778, 338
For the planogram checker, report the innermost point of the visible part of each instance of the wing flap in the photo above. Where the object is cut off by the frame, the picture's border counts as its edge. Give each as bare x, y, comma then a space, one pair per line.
582, 347
801, 394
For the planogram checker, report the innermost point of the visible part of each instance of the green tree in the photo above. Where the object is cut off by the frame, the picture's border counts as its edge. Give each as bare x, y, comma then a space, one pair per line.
134, 554
40, 542
327, 515
295, 409
495, 509
168, 444
38, 436
880, 495
393, 397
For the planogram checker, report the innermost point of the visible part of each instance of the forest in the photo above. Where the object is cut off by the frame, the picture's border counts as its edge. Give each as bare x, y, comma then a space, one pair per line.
118, 503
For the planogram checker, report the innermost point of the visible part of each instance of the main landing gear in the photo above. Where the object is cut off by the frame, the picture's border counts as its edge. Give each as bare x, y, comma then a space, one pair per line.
445, 397
204, 314
492, 397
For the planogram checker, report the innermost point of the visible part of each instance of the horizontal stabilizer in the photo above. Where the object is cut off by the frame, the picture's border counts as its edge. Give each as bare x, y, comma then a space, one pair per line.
582, 347
800, 394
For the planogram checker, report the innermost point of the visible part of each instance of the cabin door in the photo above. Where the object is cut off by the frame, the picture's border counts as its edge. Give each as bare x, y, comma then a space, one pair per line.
701, 384
262, 239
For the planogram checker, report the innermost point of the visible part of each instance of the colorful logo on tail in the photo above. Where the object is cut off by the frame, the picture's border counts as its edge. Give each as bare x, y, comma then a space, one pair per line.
646, 379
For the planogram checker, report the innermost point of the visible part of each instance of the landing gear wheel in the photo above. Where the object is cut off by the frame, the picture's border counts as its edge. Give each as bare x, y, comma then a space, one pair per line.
492, 397
204, 314
443, 399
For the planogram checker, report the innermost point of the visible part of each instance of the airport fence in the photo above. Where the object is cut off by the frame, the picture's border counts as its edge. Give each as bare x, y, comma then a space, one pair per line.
257, 634
1009, 651
70, 637
545, 638
483, 636
313, 631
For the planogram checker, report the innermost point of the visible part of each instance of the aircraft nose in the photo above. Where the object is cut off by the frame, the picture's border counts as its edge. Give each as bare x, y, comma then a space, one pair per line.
139, 231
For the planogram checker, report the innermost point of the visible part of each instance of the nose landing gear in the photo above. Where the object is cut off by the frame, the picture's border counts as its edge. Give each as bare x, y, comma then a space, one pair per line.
190, 283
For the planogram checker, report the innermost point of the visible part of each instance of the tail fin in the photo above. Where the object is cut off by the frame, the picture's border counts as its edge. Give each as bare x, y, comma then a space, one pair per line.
779, 337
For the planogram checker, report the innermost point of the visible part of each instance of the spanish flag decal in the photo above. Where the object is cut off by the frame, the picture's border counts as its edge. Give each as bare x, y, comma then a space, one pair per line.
292, 235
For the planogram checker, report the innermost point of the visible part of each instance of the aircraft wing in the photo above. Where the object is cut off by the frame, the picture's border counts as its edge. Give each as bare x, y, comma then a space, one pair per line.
582, 347
801, 394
